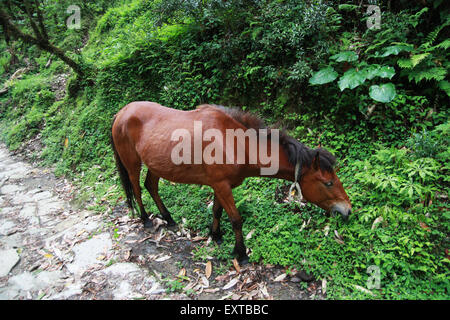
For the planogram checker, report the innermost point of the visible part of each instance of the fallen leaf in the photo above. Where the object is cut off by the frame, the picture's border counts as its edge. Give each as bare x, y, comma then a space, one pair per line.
221, 278
326, 230
364, 290
198, 238
80, 233
205, 282
247, 280
48, 255
249, 235
182, 272
338, 237
424, 226
324, 286
263, 290
303, 226
376, 222
101, 258
281, 277
230, 284
312, 287
236, 265
208, 269
163, 258
157, 223
189, 286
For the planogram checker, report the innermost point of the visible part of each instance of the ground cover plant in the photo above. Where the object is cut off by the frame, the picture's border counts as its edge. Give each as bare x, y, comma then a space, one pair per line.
376, 98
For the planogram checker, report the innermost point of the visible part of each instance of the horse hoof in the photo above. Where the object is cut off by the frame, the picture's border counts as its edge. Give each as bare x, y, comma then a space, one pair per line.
148, 224
217, 239
243, 261
305, 276
171, 225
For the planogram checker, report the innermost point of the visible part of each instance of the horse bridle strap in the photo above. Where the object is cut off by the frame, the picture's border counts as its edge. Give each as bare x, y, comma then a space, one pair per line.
296, 184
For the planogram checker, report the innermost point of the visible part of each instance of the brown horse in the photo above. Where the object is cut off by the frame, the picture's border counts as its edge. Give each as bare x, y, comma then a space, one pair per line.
149, 133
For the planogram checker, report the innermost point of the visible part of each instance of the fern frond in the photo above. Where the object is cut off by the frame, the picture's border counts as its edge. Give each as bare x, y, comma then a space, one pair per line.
416, 59
405, 63
436, 73
443, 45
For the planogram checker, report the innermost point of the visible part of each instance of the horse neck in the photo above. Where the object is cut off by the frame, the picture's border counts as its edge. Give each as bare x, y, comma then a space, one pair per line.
286, 170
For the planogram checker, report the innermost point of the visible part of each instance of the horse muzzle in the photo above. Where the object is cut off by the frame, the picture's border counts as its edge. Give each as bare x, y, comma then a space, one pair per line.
344, 209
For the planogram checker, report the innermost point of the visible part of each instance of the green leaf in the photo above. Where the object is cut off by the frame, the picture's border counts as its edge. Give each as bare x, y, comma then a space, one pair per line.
445, 85
383, 93
443, 45
436, 73
416, 59
347, 7
323, 76
395, 50
379, 71
405, 63
348, 56
351, 79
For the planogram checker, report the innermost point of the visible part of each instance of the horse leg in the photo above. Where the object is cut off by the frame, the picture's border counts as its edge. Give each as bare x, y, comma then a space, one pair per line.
217, 214
151, 183
225, 196
134, 178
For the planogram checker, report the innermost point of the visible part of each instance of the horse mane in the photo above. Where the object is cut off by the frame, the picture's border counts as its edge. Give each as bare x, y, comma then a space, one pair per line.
295, 150
247, 119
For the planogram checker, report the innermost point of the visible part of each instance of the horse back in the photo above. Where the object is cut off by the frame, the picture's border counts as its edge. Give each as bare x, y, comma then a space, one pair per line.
145, 130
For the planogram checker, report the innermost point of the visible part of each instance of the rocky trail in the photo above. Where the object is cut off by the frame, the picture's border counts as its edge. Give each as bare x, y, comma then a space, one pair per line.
53, 249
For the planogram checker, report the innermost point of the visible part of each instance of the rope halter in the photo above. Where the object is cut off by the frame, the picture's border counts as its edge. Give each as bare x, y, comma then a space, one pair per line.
295, 190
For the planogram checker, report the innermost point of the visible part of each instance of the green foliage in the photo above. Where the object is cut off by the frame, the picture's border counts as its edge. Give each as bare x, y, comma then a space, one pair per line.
383, 93
30, 98
348, 56
324, 76
427, 60
5, 58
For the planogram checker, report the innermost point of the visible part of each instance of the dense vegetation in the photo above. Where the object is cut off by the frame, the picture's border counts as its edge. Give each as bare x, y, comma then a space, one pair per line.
376, 98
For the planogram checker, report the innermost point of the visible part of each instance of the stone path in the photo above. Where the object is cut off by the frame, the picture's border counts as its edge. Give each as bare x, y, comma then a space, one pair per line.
48, 250
51, 249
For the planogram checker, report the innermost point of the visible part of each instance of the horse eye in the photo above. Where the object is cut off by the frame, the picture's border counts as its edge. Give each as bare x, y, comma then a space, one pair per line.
329, 183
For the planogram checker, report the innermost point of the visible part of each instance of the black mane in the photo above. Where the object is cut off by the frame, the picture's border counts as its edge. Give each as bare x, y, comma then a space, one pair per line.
296, 150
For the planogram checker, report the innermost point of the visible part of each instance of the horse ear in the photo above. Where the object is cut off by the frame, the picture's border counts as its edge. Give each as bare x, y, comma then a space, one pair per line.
316, 161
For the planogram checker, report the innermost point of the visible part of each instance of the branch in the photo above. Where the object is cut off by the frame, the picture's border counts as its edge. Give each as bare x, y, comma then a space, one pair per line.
41, 20
13, 30
33, 25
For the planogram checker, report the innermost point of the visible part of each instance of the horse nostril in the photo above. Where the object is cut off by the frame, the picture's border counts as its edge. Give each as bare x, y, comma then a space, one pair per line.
349, 212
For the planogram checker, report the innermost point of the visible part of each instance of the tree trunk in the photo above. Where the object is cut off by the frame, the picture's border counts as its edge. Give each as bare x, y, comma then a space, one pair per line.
42, 43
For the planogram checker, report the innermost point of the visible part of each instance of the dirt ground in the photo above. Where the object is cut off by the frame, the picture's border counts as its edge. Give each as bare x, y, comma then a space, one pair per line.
52, 249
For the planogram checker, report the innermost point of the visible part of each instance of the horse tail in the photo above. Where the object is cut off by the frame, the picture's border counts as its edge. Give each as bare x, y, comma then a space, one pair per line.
123, 174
